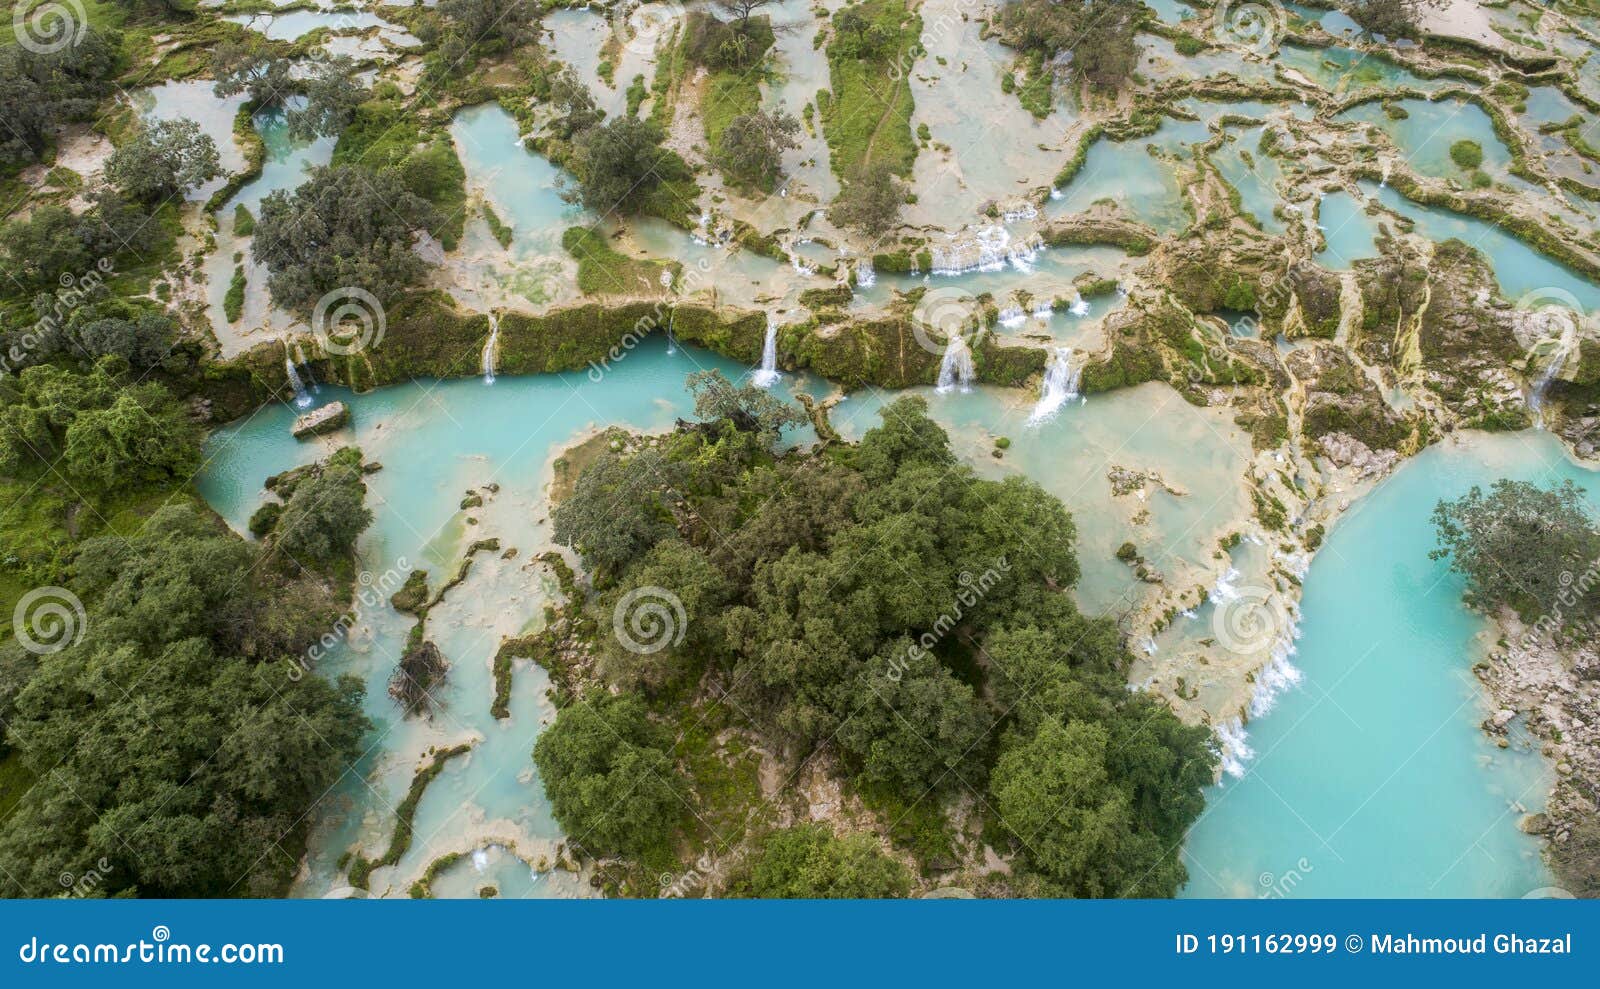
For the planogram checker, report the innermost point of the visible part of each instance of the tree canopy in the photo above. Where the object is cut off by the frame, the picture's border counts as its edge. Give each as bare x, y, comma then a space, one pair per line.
883, 604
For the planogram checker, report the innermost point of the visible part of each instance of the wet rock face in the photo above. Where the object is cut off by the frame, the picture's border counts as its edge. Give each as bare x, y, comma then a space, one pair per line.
334, 415
1341, 398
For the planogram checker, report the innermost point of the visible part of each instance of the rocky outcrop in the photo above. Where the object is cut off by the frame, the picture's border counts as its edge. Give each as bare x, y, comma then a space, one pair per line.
325, 419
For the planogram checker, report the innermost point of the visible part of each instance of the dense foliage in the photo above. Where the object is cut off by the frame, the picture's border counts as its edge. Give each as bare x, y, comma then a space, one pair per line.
1523, 547
1095, 41
346, 227
884, 604
808, 862
175, 750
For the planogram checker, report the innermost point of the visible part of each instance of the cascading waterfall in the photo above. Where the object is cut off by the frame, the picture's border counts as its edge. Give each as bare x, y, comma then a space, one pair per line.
672, 341
955, 368
1043, 310
1079, 306
767, 374
1561, 346
1061, 380
310, 378
990, 250
1012, 317
489, 349
866, 275
302, 399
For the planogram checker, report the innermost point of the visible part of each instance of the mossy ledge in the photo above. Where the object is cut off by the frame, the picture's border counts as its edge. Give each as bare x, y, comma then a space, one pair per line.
400, 840
427, 336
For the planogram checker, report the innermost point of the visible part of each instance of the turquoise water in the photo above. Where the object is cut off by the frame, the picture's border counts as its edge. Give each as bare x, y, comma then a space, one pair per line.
1348, 230
1128, 174
297, 24
1400, 726
1373, 778
1256, 179
435, 441
1549, 105
1424, 136
1519, 268
524, 188
1340, 69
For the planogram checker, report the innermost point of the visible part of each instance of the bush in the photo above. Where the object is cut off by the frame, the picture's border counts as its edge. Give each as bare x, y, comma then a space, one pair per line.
1467, 155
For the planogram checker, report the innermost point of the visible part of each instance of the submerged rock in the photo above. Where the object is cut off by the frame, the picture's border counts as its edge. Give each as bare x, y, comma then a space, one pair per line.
326, 419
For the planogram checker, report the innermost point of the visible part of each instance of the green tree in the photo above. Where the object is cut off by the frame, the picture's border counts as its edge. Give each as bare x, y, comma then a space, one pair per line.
1052, 792
345, 227
752, 145
618, 164
1522, 547
166, 158
616, 511
324, 516
750, 409
808, 862
166, 761
870, 202
612, 785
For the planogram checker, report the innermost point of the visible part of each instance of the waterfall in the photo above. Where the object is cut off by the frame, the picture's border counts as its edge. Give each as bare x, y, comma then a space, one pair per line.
1060, 384
301, 398
955, 368
489, 349
866, 276
1079, 306
1561, 345
310, 378
767, 375
672, 341
1012, 317
1043, 310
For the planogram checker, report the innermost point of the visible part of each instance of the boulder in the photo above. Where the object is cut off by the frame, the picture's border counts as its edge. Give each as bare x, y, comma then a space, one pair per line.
326, 419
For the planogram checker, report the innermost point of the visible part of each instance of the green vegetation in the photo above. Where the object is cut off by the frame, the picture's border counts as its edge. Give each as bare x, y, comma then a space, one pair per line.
193, 627
1100, 36
602, 270
233, 301
1521, 547
802, 609
809, 862
346, 227
1467, 154
867, 119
